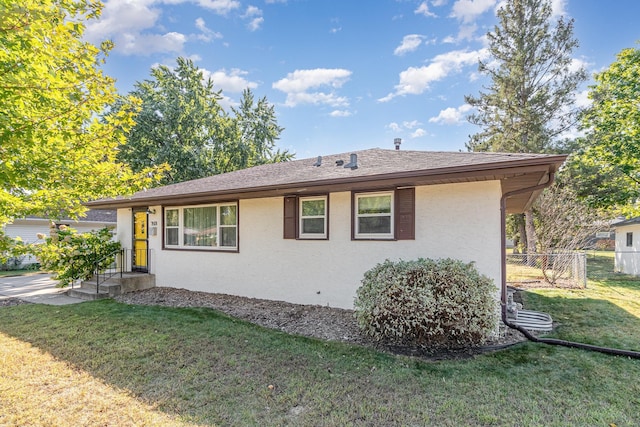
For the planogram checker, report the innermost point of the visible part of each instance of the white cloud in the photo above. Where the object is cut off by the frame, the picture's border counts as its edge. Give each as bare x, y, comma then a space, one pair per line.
145, 44
558, 8
316, 98
582, 99
207, 34
577, 64
452, 116
122, 18
438, 3
416, 80
407, 126
409, 43
410, 125
133, 25
252, 11
302, 80
449, 40
468, 10
423, 9
221, 7
255, 23
466, 32
394, 127
230, 81
254, 15
300, 84
340, 113
418, 133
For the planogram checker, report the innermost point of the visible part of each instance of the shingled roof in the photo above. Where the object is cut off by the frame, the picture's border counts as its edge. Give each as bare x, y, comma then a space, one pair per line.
376, 168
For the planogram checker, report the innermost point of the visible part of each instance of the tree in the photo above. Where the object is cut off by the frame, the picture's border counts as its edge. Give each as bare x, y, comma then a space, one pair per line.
256, 131
529, 101
564, 223
608, 161
54, 151
183, 125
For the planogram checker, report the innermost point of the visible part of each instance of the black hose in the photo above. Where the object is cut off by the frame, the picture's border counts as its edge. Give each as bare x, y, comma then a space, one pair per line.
503, 297
564, 343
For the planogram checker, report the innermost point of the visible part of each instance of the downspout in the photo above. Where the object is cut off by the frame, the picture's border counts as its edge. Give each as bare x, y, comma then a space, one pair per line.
503, 290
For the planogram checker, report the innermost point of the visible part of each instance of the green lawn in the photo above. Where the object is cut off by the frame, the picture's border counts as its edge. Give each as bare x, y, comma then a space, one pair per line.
106, 363
21, 272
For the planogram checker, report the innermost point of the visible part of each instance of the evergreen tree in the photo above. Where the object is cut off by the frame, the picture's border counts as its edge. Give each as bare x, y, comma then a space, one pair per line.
529, 101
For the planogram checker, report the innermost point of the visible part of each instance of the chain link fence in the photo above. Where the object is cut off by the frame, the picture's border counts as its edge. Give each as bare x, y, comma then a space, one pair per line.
561, 269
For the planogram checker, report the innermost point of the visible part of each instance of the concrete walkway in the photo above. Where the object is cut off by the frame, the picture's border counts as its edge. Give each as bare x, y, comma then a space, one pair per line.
35, 288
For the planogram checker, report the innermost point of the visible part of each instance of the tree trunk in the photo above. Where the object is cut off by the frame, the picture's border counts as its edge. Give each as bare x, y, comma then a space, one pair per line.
523, 233
531, 236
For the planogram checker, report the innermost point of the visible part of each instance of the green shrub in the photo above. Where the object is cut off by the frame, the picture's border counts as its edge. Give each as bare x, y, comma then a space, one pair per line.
425, 303
73, 256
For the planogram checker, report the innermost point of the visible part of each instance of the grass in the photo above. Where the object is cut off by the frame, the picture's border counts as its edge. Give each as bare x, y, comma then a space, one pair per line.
19, 272
106, 363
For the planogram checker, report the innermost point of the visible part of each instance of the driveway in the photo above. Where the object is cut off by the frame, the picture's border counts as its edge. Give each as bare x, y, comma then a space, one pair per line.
35, 288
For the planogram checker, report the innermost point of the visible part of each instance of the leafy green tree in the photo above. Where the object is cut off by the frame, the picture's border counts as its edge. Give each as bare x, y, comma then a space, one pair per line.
54, 151
183, 125
608, 161
529, 101
256, 133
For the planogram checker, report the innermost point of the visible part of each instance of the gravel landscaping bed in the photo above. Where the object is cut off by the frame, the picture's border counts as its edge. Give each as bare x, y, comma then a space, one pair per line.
315, 321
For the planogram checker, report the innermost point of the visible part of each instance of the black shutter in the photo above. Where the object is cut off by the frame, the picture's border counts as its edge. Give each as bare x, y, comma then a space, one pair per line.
290, 217
405, 214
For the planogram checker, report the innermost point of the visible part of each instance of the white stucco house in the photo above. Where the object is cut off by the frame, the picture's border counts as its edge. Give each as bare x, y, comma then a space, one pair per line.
27, 229
305, 231
628, 246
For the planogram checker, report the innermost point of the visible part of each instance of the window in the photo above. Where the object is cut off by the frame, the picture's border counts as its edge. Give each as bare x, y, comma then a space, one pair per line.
201, 227
171, 227
629, 239
306, 217
313, 217
374, 215
386, 215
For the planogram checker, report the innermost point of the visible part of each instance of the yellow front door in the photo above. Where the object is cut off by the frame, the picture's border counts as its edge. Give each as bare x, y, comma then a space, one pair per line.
140, 242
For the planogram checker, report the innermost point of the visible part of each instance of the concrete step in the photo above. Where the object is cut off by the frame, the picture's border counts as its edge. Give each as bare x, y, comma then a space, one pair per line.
87, 294
117, 285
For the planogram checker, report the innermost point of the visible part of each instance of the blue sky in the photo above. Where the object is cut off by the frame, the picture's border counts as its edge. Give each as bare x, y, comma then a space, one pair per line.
344, 75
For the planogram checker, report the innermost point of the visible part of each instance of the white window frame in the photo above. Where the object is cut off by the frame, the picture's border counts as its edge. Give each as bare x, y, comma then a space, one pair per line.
303, 235
357, 216
219, 226
171, 227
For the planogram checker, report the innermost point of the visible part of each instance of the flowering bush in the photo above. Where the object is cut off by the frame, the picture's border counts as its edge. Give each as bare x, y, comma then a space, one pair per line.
425, 303
73, 256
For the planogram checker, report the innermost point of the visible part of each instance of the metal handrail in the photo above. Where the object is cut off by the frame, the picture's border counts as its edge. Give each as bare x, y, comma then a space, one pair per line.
118, 257
121, 262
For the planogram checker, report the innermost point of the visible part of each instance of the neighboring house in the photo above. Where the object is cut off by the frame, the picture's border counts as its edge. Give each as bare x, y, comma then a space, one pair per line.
29, 228
306, 231
628, 246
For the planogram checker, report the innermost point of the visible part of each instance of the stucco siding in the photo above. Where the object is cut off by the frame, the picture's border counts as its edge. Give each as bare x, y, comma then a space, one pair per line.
628, 257
454, 220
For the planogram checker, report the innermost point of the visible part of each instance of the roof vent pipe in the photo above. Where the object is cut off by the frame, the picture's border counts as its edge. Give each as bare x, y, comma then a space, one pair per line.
397, 142
353, 162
